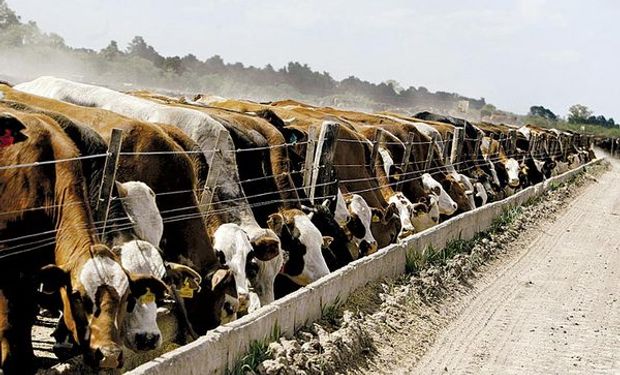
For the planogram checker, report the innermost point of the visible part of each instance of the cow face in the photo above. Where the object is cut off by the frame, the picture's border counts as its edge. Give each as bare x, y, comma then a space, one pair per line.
237, 253
360, 224
139, 203
94, 300
456, 190
302, 243
139, 329
512, 168
404, 208
264, 266
386, 225
223, 293
480, 196
447, 206
425, 213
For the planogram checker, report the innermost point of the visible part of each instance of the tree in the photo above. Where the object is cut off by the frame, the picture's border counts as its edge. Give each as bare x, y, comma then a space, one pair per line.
487, 110
111, 51
139, 48
7, 16
543, 112
578, 113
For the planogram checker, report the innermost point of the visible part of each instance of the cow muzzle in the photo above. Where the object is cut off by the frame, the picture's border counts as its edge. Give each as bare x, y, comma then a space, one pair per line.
147, 341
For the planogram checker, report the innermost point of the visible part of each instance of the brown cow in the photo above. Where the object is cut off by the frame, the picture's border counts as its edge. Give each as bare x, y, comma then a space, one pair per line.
51, 199
172, 177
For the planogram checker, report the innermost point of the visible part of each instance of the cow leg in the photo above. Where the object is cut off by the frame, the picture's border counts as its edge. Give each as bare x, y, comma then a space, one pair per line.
17, 313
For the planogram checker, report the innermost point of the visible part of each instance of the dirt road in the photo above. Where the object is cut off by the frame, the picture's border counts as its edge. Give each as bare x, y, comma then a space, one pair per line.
552, 309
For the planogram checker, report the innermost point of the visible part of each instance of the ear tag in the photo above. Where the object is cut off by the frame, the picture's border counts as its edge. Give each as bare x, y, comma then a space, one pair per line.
396, 177
147, 297
375, 219
186, 290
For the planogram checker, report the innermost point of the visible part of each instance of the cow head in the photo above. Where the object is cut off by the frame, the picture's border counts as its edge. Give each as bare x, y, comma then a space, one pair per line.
302, 243
447, 206
235, 250
480, 196
425, 213
95, 302
386, 225
404, 208
342, 248
456, 190
512, 169
359, 224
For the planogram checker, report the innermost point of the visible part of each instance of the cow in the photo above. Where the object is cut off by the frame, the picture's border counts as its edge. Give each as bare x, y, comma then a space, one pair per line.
94, 287
213, 138
185, 239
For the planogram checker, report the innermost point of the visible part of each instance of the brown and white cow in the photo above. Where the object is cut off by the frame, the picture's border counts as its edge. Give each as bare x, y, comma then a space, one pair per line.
93, 285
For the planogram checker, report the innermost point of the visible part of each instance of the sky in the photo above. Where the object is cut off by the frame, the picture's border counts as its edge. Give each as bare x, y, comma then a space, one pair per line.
514, 53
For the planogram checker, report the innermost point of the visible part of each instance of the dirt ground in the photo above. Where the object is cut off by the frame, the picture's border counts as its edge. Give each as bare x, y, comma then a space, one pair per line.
540, 295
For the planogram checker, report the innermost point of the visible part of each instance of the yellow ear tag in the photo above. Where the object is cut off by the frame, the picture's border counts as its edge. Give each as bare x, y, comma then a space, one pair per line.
147, 297
375, 219
186, 290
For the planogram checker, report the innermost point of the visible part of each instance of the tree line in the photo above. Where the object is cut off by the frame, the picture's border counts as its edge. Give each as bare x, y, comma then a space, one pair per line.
141, 64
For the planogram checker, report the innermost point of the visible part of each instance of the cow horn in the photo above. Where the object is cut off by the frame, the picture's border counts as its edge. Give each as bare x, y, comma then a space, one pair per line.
289, 121
307, 209
326, 203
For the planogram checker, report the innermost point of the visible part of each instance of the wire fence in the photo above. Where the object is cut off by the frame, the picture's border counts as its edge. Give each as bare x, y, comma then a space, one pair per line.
420, 166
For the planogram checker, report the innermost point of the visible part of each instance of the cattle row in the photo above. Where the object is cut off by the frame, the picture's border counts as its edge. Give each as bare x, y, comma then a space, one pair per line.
218, 208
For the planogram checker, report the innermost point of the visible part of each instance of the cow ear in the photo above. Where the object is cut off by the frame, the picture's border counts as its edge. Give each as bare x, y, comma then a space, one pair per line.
53, 278
327, 240
143, 284
276, 223
220, 277
122, 191
11, 130
266, 249
377, 215
178, 274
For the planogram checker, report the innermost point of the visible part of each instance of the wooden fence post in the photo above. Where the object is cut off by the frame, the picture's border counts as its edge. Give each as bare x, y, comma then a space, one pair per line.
324, 171
447, 148
429, 153
477, 148
613, 146
109, 177
512, 135
379, 139
457, 144
309, 160
406, 161
215, 167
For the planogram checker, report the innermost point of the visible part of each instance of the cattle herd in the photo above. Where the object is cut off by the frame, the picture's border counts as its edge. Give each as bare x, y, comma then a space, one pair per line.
218, 206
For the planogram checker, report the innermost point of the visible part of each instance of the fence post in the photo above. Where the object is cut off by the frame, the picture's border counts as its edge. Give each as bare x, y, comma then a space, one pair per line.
109, 177
447, 147
457, 143
477, 148
613, 144
379, 139
512, 134
429, 153
324, 155
532, 145
215, 167
309, 160
405, 162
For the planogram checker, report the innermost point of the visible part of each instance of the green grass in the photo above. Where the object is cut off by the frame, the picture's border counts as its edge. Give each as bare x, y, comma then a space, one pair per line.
330, 313
257, 353
416, 261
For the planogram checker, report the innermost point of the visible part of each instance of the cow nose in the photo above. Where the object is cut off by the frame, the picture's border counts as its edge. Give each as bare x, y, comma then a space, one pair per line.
147, 340
454, 206
374, 246
109, 356
364, 248
514, 182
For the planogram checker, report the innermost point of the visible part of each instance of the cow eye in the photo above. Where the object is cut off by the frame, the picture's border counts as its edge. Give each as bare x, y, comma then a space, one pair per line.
228, 308
131, 304
437, 190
